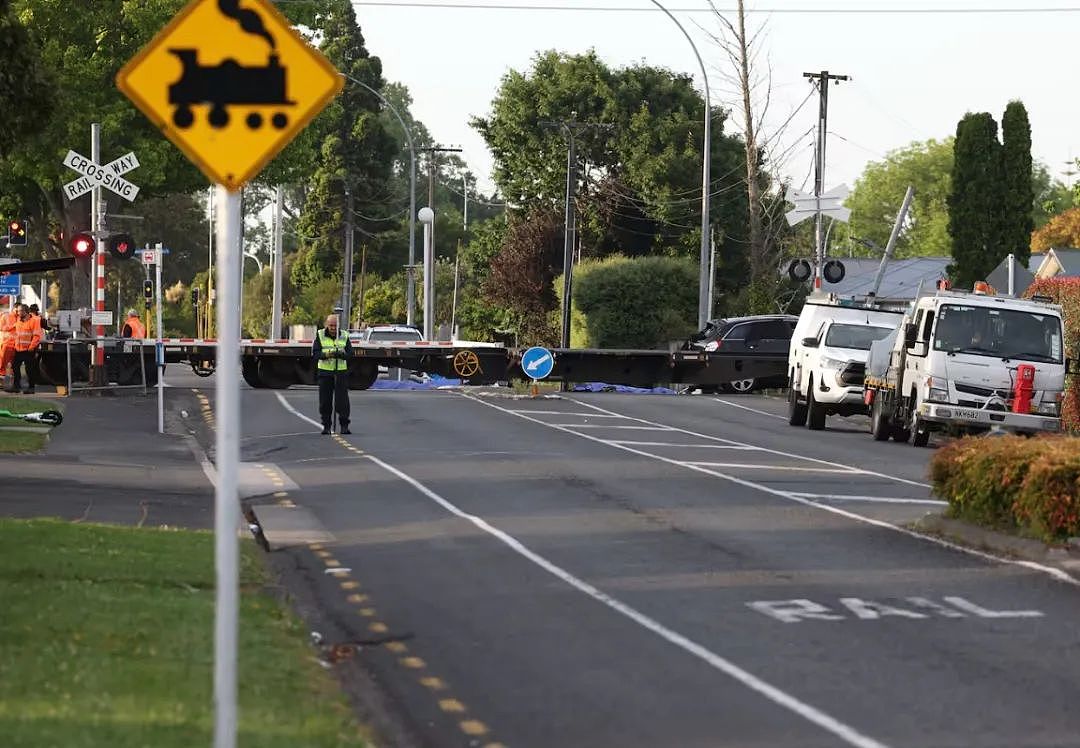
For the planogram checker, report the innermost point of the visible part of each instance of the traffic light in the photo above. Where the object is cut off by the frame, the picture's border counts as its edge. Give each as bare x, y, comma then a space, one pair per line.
17, 233
122, 246
148, 292
195, 297
81, 245
834, 271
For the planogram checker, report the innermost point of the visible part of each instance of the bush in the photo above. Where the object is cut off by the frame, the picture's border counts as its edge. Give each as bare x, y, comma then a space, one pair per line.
641, 302
1066, 291
1012, 482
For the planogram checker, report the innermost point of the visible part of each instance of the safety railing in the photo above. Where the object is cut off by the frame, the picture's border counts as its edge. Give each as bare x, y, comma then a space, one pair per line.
114, 350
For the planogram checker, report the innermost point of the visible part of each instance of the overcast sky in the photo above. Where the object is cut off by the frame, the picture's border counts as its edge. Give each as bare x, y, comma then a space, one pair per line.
914, 74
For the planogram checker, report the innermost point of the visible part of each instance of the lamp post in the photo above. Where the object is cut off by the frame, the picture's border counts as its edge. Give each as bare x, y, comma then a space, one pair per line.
410, 305
427, 217
704, 285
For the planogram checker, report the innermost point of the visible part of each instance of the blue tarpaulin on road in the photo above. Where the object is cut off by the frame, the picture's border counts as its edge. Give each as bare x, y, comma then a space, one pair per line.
433, 383
602, 387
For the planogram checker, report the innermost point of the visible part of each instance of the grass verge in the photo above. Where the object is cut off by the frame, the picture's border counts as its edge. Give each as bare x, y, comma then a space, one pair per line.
107, 640
12, 441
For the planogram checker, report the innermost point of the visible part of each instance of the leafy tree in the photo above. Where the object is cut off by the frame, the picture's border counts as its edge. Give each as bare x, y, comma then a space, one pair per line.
355, 151
1063, 230
25, 84
878, 193
976, 200
1016, 166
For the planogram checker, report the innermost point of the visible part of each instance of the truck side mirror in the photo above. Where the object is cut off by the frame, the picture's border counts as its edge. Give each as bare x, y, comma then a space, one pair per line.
810, 342
910, 332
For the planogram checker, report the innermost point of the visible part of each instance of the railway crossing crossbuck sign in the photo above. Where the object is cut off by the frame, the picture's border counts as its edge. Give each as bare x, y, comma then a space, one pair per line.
230, 83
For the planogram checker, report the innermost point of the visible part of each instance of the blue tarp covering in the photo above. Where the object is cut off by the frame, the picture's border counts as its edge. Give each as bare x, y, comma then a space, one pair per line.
433, 383
602, 387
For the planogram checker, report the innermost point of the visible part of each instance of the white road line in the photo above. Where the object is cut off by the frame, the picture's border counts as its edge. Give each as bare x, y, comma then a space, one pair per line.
781, 698
752, 410
771, 451
874, 499
564, 413
745, 466
1057, 574
605, 426
736, 447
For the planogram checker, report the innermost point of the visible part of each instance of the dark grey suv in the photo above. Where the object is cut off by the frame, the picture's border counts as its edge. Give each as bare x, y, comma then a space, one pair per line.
767, 333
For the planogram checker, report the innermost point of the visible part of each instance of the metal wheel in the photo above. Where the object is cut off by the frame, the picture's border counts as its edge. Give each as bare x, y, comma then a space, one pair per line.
742, 386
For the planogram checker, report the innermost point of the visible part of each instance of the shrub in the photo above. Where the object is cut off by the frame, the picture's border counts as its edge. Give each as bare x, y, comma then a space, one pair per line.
640, 302
1066, 291
1012, 482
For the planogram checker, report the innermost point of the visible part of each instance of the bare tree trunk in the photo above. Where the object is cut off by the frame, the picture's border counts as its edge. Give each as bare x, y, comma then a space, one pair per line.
758, 260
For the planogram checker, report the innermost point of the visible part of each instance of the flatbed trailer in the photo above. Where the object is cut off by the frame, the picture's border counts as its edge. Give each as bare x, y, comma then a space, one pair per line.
279, 364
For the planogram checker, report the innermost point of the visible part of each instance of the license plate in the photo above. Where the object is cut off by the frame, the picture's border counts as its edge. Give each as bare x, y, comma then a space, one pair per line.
973, 415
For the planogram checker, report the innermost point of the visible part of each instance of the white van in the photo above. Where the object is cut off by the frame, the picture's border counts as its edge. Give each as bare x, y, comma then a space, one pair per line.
827, 359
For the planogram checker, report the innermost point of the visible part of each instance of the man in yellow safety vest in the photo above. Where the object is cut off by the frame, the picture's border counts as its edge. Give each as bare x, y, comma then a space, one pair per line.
331, 353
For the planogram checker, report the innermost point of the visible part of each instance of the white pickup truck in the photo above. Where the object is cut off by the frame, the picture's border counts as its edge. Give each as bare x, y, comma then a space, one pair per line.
956, 363
827, 358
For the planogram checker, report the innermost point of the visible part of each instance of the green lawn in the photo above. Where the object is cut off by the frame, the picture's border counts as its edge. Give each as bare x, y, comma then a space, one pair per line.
23, 441
106, 639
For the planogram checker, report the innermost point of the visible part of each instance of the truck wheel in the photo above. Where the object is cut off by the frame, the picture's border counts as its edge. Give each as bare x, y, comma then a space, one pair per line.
920, 435
900, 434
362, 374
879, 422
796, 411
815, 411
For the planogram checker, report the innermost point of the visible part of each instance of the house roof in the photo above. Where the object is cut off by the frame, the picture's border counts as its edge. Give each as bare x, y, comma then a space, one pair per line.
1068, 259
901, 280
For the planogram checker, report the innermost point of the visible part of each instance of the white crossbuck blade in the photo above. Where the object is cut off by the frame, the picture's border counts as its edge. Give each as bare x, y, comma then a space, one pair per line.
832, 205
95, 175
534, 365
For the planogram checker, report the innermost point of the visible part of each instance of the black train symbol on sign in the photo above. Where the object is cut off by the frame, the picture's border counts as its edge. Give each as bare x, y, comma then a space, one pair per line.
230, 83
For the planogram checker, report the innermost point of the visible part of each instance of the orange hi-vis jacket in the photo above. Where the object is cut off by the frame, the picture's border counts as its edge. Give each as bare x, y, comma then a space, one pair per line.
7, 330
27, 334
136, 325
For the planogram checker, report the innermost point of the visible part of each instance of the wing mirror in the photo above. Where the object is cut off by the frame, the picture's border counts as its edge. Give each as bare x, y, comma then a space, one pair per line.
910, 332
810, 342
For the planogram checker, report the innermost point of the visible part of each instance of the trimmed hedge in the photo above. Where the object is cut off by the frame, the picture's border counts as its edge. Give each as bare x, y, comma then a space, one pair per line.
1066, 291
639, 302
1012, 483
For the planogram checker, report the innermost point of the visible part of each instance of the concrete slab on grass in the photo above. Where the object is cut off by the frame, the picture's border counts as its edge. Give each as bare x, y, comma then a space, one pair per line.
290, 526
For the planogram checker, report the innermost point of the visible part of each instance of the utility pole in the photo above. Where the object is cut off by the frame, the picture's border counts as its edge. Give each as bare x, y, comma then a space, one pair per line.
363, 270
346, 285
571, 127
431, 170
821, 80
275, 317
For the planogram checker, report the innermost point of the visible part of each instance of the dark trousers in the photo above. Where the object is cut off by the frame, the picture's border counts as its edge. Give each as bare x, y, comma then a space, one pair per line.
27, 359
334, 387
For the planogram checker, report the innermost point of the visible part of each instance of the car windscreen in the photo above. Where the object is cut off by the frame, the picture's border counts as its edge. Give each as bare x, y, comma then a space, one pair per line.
998, 333
855, 337
384, 335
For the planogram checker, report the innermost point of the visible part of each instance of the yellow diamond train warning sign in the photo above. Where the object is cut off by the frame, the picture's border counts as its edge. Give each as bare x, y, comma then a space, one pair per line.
231, 84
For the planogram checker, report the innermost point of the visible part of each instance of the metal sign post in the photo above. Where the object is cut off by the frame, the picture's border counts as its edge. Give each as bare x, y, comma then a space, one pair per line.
159, 351
230, 119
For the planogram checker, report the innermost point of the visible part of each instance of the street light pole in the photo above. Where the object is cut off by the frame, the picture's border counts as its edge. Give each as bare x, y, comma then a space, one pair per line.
705, 301
410, 306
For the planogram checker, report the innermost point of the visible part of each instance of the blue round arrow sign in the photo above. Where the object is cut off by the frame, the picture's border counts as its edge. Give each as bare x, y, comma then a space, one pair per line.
537, 362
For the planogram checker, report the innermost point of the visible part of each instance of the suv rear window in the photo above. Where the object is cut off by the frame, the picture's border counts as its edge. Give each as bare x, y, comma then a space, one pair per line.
388, 335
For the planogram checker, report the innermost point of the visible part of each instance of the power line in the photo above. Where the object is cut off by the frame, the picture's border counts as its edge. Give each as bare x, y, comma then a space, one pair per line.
824, 10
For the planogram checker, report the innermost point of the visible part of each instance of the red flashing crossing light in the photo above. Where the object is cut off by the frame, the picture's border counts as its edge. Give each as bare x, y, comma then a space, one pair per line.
81, 245
122, 246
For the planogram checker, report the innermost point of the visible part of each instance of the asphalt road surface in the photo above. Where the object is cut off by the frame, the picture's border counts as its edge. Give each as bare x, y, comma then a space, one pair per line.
609, 570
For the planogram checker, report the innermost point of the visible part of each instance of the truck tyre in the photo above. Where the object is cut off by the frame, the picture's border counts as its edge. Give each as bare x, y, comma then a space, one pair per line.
901, 434
880, 426
362, 374
249, 369
920, 435
815, 411
796, 411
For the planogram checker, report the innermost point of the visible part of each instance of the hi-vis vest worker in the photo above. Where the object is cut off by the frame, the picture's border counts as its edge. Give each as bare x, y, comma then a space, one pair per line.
331, 354
133, 326
7, 341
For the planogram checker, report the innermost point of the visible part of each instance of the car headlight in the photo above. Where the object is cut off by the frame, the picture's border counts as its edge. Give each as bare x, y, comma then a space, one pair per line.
832, 363
935, 395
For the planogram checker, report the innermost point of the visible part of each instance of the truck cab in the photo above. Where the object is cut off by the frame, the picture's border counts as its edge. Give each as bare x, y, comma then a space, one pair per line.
958, 361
